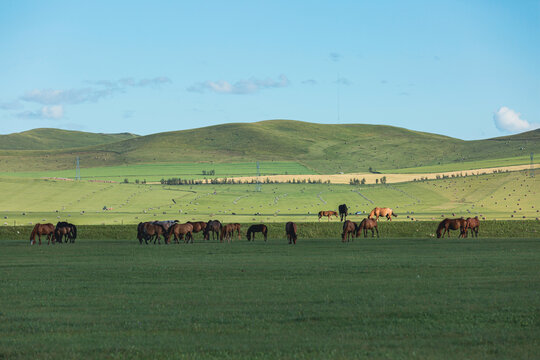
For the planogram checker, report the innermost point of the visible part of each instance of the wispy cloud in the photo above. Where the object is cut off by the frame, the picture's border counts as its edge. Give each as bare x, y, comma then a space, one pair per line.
509, 120
335, 56
12, 105
250, 86
53, 112
309, 82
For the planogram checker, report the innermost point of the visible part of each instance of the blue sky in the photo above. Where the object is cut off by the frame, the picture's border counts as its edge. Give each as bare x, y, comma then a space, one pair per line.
467, 69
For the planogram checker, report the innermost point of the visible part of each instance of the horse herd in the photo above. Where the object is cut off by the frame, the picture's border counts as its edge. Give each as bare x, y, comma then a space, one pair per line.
155, 230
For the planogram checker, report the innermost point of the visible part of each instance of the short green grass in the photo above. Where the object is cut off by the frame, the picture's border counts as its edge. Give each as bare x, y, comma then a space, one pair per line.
375, 298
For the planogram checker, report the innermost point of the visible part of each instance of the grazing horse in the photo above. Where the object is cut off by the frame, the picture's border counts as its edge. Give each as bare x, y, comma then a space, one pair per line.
153, 229
198, 226
452, 224
227, 232
213, 226
257, 228
388, 212
343, 212
65, 230
179, 231
349, 228
238, 229
328, 213
365, 225
290, 231
42, 229
473, 224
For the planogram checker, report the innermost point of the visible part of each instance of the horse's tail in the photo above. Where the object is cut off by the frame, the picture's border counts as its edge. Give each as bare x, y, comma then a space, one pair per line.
394, 214
74, 231
265, 230
33, 234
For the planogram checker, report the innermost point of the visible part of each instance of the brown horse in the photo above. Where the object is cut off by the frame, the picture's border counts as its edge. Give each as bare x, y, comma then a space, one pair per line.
328, 213
153, 229
343, 212
213, 226
65, 230
388, 212
42, 229
365, 225
227, 232
198, 226
180, 231
349, 228
238, 229
474, 225
290, 231
452, 224
257, 228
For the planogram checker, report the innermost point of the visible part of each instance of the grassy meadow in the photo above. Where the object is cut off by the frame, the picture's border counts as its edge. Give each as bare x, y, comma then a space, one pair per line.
375, 298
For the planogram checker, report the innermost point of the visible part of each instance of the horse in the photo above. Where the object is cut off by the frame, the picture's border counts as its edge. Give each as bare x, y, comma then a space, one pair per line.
213, 226
153, 229
473, 224
226, 232
349, 228
238, 229
65, 230
452, 224
388, 212
198, 226
140, 233
365, 225
343, 212
42, 229
166, 224
179, 231
328, 213
257, 228
290, 231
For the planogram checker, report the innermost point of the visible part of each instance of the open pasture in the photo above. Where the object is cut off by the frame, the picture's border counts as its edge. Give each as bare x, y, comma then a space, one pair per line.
375, 298
495, 196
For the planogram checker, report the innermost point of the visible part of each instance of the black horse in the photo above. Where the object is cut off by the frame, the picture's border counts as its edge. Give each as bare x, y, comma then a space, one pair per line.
257, 228
65, 230
343, 212
290, 231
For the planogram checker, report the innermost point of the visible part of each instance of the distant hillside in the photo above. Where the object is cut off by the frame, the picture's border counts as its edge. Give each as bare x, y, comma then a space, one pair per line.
47, 139
322, 148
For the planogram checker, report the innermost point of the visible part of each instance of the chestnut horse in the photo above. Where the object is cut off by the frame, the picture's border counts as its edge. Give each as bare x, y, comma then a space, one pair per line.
327, 213
42, 229
290, 231
227, 232
343, 212
388, 212
349, 228
473, 224
452, 224
365, 225
213, 226
237, 228
179, 231
257, 228
198, 226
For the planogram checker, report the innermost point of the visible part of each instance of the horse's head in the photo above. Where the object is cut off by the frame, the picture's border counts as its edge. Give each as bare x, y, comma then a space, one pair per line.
248, 235
438, 233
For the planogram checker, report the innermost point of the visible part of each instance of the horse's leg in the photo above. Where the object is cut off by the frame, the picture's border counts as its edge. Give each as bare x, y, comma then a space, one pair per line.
377, 229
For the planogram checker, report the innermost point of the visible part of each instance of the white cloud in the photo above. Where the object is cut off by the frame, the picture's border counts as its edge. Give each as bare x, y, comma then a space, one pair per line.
240, 87
508, 120
52, 112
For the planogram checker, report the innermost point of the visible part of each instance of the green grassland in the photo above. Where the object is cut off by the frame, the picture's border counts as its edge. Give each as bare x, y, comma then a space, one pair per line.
375, 298
156, 172
47, 139
322, 148
502, 196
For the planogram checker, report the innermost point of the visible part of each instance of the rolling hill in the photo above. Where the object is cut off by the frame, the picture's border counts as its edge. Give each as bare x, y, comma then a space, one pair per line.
322, 148
47, 139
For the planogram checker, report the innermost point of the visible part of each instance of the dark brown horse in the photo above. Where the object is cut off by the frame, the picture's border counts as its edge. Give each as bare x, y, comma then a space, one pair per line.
257, 228
198, 226
153, 229
473, 224
349, 228
367, 224
290, 231
328, 213
452, 224
343, 212
388, 212
180, 231
227, 232
213, 226
65, 231
42, 229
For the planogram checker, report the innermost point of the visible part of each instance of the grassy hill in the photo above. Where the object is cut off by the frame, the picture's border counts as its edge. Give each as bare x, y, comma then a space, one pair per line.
322, 148
47, 139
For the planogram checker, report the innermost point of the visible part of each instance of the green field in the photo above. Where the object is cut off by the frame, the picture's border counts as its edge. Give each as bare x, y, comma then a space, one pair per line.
375, 298
503, 196
156, 172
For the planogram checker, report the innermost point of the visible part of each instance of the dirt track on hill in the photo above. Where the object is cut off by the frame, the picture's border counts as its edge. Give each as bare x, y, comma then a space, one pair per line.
390, 178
